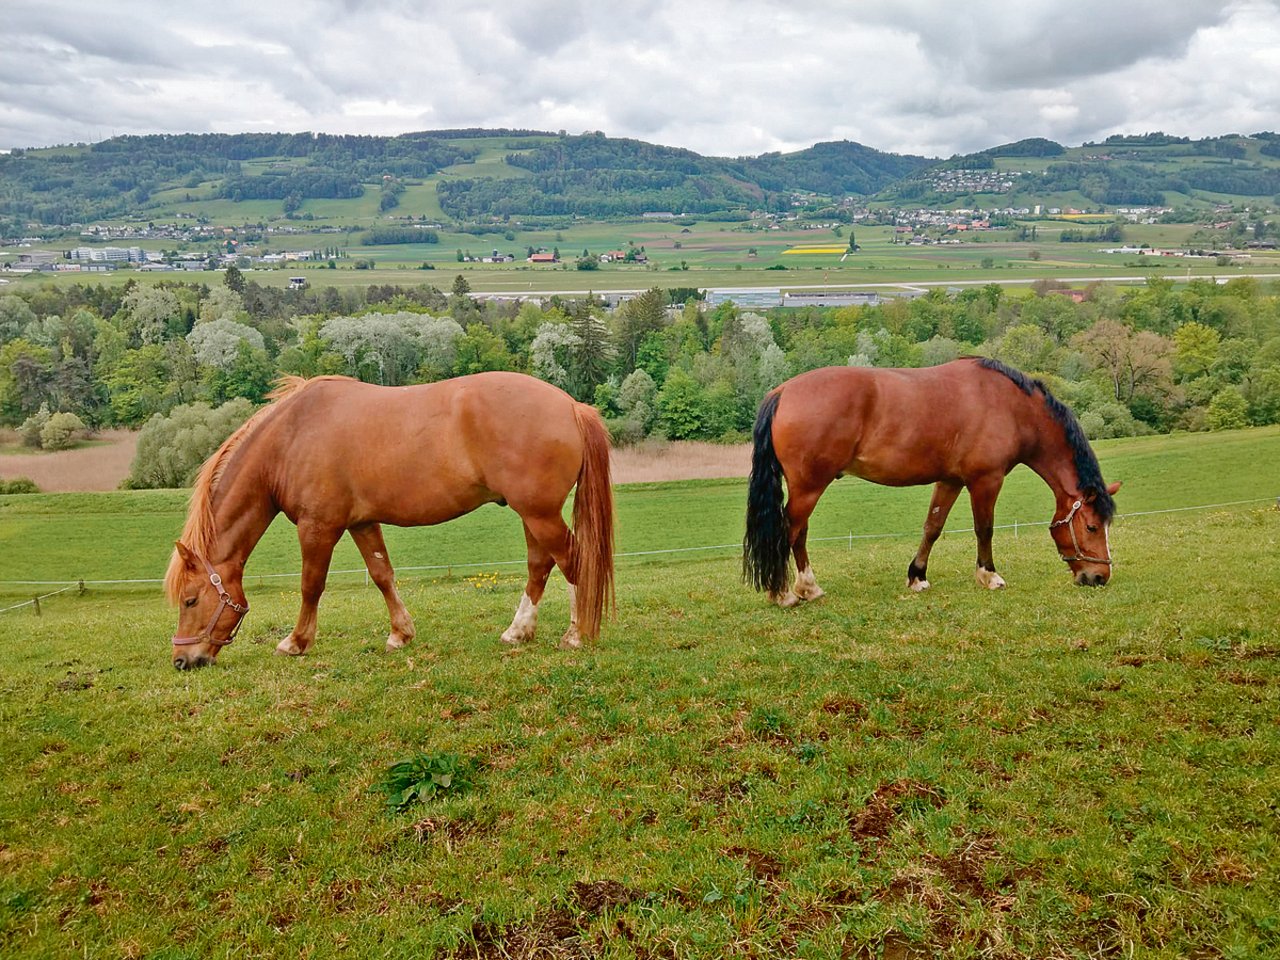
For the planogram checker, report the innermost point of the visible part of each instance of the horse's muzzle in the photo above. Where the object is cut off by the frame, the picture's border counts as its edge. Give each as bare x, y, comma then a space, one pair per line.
183, 661
1087, 578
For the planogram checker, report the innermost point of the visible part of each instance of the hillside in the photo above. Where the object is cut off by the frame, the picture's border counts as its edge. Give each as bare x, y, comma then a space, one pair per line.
477, 175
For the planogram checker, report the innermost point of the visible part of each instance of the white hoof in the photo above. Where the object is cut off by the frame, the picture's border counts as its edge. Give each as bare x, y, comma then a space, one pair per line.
396, 641
514, 636
806, 587
919, 586
989, 579
288, 647
572, 639
788, 599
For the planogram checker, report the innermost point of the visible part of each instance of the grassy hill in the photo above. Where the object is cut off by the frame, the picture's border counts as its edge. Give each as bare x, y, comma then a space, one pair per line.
1045, 771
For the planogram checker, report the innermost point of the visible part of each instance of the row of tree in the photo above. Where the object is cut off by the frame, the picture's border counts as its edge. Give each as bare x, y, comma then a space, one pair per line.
1129, 361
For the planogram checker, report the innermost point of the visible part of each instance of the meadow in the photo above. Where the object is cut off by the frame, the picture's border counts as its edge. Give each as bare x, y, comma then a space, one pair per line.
1046, 771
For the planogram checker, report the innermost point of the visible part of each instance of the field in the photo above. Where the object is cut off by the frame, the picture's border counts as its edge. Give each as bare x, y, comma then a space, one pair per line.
1041, 772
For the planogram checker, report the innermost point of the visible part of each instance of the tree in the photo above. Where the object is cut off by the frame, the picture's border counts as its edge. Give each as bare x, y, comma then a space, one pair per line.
216, 343
1227, 410
60, 431
1195, 350
234, 279
222, 303
391, 348
480, 349
151, 313
1133, 363
171, 449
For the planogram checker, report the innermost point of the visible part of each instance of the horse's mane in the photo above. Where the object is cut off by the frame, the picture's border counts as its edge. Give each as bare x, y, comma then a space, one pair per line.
199, 531
1088, 473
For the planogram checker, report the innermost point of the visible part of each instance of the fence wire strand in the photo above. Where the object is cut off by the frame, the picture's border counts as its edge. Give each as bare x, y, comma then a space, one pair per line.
847, 538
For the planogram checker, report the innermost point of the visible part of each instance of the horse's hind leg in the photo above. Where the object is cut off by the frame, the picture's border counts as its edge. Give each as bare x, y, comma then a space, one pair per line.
317, 550
982, 496
368, 537
800, 506
525, 623
944, 496
553, 539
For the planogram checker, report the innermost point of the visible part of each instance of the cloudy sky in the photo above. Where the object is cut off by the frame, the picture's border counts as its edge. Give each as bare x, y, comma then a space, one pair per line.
723, 77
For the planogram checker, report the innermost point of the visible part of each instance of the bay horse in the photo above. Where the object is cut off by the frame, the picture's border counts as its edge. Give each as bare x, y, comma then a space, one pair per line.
336, 455
961, 424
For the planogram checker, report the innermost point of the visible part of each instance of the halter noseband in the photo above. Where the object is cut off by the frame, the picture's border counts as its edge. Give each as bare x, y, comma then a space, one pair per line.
206, 635
1071, 528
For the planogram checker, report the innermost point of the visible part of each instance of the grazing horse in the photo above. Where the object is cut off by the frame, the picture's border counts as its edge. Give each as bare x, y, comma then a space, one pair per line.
962, 424
336, 455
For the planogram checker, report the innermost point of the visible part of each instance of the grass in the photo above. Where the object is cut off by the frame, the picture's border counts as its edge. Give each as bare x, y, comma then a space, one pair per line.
1041, 772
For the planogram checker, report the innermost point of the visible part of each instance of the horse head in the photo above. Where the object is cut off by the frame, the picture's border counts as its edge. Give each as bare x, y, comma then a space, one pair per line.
1080, 532
209, 616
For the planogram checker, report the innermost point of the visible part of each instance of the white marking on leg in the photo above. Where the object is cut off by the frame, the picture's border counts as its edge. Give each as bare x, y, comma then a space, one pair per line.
988, 578
919, 586
288, 646
524, 624
806, 587
572, 638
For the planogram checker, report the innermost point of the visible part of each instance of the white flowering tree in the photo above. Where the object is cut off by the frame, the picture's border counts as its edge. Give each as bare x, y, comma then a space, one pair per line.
217, 343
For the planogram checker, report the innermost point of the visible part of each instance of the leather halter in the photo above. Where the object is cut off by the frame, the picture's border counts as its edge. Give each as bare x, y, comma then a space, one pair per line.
206, 635
1071, 528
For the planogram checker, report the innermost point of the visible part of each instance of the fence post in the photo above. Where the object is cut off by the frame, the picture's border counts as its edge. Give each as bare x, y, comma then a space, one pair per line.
81, 593
1015, 529
36, 603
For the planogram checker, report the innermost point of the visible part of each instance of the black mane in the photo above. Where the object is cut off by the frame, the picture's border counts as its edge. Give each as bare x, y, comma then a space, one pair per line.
1088, 473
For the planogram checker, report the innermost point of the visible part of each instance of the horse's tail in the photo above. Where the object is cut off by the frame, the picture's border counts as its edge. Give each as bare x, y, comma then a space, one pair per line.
592, 560
767, 544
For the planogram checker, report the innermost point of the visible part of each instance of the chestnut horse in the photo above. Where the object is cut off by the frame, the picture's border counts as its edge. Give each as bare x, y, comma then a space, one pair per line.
336, 455
962, 424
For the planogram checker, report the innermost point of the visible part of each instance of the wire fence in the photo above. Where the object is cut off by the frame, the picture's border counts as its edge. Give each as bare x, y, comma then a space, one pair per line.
850, 538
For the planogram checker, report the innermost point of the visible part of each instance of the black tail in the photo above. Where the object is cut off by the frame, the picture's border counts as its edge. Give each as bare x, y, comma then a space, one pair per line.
767, 545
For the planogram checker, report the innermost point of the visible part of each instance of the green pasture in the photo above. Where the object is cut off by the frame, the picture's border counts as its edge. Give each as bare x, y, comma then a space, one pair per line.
1043, 771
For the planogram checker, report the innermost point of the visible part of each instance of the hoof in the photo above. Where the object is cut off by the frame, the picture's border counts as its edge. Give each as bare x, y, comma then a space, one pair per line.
571, 640
514, 637
288, 647
812, 592
989, 579
396, 641
788, 599
919, 586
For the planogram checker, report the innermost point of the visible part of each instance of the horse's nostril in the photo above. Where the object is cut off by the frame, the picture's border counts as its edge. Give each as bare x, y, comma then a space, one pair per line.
180, 663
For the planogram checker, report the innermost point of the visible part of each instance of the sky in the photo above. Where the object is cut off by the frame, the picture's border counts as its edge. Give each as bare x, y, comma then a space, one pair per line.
721, 77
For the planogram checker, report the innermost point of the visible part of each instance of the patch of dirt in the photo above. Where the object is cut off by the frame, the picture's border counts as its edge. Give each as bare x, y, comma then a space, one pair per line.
876, 819
593, 897
656, 461
101, 465
762, 866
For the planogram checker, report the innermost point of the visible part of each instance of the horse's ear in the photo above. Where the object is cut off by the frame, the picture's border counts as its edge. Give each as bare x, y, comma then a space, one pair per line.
1113, 488
187, 556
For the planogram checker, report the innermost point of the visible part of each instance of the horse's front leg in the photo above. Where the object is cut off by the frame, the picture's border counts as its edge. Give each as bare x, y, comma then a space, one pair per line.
944, 496
317, 550
373, 549
982, 497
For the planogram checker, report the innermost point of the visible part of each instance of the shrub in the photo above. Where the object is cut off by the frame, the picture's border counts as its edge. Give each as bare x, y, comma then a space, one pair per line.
18, 485
1227, 410
61, 430
31, 427
171, 449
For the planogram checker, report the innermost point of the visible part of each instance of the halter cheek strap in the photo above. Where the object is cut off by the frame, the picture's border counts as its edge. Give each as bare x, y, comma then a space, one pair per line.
225, 602
1071, 528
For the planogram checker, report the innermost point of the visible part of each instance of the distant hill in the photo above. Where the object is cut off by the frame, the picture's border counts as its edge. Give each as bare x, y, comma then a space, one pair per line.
479, 174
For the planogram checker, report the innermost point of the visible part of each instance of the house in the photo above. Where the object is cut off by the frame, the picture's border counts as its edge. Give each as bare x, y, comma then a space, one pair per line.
297, 283
543, 258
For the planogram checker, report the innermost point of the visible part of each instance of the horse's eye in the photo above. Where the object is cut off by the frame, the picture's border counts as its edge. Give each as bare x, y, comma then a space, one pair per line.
1091, 528
190, 602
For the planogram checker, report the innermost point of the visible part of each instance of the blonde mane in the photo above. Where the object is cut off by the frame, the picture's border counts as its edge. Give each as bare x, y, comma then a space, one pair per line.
200, 531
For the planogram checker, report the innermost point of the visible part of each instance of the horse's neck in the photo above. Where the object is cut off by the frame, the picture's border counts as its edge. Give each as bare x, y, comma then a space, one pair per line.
242, 510
1053, 459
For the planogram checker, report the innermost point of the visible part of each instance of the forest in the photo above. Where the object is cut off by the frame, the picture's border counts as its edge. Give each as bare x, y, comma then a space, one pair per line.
1130, 361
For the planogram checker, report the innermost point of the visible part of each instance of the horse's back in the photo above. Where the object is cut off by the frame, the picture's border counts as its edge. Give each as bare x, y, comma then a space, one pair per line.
425, 453
896, 426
